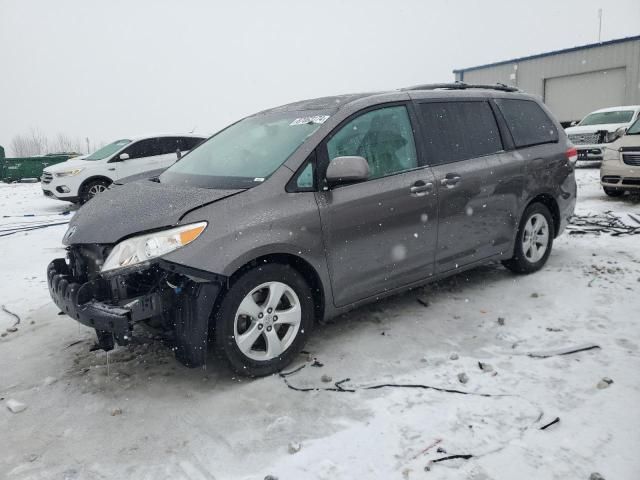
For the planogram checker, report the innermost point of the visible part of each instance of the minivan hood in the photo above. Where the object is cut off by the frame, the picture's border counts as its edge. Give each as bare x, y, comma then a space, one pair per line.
136, 207
609, 127
627, 141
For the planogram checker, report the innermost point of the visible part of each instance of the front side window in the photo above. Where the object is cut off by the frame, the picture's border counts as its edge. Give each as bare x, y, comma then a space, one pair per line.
528, 123
168, 145
246, 153
384, 137
456, 131
144, 148
189, 143
603, 118
108, 150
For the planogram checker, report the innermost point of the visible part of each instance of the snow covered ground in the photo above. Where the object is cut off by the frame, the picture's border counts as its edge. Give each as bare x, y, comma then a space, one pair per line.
142, 415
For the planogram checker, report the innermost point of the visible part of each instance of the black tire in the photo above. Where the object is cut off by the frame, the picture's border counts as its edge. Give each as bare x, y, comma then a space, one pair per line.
613, 192
520, 263
87, 191
225, 319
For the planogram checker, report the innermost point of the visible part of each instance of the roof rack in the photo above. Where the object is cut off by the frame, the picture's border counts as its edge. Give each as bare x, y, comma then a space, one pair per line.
463, 86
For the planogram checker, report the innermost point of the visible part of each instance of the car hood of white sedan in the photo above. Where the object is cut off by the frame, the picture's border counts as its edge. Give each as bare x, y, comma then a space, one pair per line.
71, 165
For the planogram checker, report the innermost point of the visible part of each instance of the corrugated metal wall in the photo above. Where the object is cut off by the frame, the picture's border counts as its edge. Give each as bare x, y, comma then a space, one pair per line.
530, 74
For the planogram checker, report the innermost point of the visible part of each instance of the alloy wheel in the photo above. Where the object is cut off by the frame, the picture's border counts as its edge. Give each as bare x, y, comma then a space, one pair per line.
96, 189
267, 321
535, 239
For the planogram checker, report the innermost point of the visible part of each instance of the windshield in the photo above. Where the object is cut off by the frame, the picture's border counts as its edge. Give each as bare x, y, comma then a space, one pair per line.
601, 118
108, 150
246, 153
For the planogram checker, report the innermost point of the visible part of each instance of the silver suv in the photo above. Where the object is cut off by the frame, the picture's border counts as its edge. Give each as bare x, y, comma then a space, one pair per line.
308, 210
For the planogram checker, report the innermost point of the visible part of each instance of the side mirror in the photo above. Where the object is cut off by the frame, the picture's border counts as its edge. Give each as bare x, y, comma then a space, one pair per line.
574, 123
124, 156
178, 154
343, 170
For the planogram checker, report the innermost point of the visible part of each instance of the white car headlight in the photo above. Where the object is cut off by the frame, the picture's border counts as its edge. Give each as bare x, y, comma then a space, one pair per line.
152, 245
69, 173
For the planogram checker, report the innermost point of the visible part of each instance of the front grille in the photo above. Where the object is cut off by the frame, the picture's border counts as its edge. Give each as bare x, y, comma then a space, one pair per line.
584, 138
47, 177
631, 158
631, 181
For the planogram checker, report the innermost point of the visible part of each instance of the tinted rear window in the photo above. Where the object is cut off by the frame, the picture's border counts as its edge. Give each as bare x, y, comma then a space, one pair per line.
458, 131
528, 123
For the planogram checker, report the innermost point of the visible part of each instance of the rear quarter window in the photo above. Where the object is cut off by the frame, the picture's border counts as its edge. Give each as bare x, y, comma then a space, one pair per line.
528, 123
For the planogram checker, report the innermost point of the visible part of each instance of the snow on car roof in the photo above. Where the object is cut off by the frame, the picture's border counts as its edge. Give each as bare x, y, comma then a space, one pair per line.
154, 135
614, 109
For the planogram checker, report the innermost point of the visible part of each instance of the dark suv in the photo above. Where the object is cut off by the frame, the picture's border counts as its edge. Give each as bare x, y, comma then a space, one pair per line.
305, 211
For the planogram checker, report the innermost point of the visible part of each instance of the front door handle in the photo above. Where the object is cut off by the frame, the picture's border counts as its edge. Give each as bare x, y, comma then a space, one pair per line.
111, 168
450, 180
421, 188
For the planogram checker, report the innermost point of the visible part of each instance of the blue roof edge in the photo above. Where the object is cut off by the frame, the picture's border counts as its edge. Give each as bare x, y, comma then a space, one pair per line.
548, 54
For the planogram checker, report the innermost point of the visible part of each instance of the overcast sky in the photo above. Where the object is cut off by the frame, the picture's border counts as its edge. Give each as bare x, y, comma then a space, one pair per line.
110, 69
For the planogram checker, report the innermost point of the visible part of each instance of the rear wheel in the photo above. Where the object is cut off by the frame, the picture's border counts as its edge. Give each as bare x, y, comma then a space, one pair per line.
264, 319
93, 188
533, 240
613, 192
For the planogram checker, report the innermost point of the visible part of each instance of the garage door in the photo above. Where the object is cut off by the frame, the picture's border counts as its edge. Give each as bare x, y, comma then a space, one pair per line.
573, 96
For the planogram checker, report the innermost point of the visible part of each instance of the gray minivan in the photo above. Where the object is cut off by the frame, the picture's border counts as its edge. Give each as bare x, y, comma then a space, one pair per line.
305, 211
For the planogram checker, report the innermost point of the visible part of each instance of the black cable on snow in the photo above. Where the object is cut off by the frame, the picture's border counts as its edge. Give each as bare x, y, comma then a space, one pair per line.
11, 231
14, 315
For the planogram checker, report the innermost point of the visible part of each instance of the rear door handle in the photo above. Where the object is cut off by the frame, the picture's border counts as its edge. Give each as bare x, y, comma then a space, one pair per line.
450, 180
111, 168
421, 188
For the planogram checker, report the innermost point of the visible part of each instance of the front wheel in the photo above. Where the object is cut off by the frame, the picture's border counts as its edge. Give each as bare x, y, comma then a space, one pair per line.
533, 240
93, 188
264, 319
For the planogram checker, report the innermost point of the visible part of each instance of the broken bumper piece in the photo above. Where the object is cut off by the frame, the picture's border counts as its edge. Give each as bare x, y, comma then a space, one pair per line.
111, 320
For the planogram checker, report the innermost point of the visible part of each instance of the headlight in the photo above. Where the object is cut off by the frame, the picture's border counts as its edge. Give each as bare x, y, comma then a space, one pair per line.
145, 247
613, 136
69, 173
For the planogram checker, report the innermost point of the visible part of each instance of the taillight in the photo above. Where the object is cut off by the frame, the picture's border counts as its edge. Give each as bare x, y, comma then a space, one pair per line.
572, 155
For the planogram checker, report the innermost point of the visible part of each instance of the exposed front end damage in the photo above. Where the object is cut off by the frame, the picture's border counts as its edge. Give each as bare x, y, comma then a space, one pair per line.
176, 300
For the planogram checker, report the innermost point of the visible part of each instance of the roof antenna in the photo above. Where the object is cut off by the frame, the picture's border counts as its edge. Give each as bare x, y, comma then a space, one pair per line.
193, 129
599, 25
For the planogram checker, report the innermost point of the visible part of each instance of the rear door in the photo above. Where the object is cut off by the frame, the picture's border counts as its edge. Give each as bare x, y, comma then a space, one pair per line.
379, 234
479, 183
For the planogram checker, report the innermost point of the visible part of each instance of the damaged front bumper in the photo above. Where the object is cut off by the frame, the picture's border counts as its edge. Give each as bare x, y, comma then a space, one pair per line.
178, 303
79, 301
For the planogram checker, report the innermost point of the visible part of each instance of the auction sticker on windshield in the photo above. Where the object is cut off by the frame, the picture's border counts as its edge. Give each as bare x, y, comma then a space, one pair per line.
307, 120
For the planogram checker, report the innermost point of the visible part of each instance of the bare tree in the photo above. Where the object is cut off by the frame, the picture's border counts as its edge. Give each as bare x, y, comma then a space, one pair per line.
33, 143
65, 143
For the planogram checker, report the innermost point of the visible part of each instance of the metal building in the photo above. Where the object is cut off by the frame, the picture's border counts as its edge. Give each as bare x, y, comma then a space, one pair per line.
574, 81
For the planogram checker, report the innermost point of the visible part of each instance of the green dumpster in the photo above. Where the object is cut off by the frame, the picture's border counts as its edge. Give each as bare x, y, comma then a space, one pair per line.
15, 169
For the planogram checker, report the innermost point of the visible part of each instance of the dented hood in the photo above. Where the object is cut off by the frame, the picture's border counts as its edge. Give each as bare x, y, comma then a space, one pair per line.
136, 207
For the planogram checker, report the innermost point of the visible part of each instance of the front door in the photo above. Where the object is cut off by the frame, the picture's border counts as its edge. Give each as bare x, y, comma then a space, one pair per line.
479, 184
379, 234
143, 154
